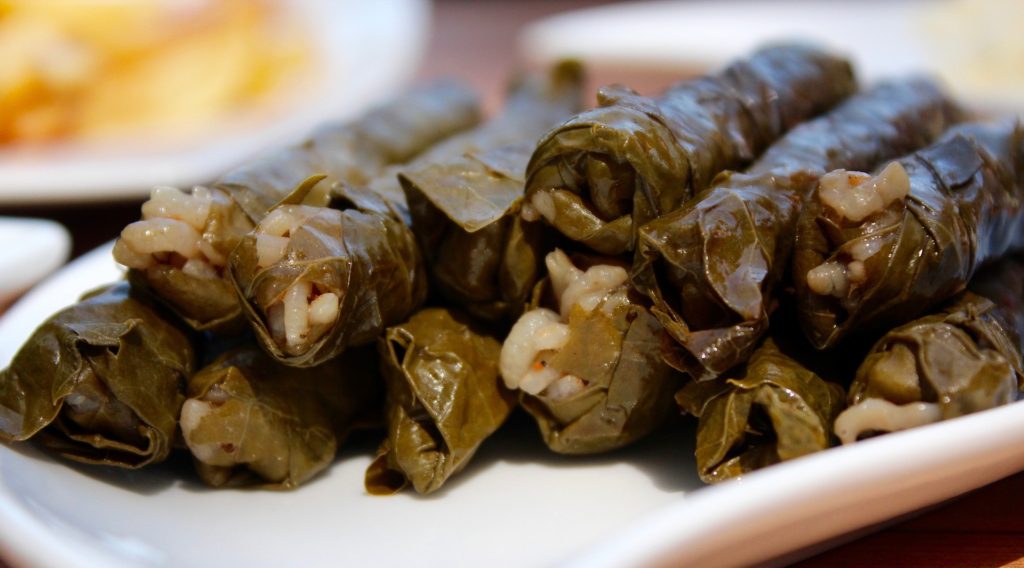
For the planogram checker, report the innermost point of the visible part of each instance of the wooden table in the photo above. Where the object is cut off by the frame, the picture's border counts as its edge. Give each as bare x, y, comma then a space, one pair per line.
476, 41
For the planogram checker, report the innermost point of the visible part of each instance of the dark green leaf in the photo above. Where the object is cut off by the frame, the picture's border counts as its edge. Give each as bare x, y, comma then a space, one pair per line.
713, 267
249, 419
99, 382
602, 174
444, 400
965, 204
775, 410
363, 254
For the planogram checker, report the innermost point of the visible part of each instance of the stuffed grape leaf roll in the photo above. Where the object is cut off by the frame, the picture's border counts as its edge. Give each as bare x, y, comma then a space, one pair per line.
608, 170
586, 361
774, 409
712, 268
480, 253
314, 281
877, 251
180, 247
962, 358
100, 382
444, 399
249, 419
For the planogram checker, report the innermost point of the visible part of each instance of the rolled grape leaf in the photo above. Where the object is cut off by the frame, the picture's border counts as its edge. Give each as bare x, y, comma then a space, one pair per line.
873, 252
465, 209
249, 419
444, 399
357, 151
589, 371
317, 280
963, 358
481, 254
100, 382
775, 409
607, 171
179, 249
178, 252
712, 268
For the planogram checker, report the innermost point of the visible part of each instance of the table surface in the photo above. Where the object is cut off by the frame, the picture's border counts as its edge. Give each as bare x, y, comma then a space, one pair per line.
477, 42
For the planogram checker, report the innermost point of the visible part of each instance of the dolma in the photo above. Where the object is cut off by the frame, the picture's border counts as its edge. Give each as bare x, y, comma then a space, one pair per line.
607, 171
588, 371
444, 400
314, 281
358, 151
465, 209
100, 382
179, 249
963, 358
713, 267
776, 409
873, 252
249, 419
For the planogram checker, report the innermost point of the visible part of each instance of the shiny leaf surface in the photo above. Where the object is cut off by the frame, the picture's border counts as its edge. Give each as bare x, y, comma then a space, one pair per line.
444, 400
965, 207
605, 172
775, 409
249, 419
362, 253
99, 382
713, 267
465, 209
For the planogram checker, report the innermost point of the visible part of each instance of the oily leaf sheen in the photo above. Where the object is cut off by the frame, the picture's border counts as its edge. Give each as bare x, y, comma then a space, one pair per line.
629, 388
99, 382
776, 410
465, 207
363, 254
965, 207
712, 268
273, 424
357, 151
632, 159
963, 357
444, 400
481, 254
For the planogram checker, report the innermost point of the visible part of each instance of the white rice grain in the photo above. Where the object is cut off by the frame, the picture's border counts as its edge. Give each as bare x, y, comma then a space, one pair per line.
324, 309
296, 312
152, 236
167, 202
879, 415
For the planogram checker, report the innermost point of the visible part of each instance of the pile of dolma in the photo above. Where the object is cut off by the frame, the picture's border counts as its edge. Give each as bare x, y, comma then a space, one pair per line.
791, 260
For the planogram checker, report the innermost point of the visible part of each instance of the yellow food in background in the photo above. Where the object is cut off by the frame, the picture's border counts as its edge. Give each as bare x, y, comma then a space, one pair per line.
89, 69
979, 44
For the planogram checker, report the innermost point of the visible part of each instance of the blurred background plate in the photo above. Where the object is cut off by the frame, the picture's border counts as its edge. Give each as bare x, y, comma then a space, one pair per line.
974, 45
42, 247
362, 51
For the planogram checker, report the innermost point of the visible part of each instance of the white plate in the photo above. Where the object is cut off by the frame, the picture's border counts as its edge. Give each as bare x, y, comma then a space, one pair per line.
516, 505
32, 248
883, 39
366, 50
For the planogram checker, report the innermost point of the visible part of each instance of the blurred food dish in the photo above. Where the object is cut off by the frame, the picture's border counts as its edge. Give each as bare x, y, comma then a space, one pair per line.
103, 99
98, 70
